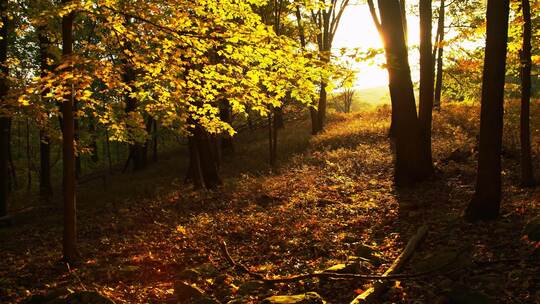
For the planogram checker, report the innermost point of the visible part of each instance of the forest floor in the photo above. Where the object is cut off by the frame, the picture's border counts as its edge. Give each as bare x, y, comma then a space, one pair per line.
331, 199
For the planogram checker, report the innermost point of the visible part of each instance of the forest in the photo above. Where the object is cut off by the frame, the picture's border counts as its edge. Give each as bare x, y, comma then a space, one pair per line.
269, 151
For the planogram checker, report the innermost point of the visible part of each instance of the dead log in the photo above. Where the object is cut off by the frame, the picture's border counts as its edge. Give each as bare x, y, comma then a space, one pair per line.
379, 287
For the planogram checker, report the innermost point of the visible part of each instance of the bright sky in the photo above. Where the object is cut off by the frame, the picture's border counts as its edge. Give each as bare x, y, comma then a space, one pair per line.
356, 29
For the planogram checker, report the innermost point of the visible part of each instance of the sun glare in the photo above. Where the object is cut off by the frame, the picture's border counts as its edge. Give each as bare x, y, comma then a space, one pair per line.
356, 30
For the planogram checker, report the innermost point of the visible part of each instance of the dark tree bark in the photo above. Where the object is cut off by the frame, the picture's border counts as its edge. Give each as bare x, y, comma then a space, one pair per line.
527, 176
137, 151
76, 128
12, 171
28, 158
411, 163
194, 173
155, 139
486, 202
45, 186
4, 117
440, 52
93, 145
203, 168
272, 140
403, 8
68, 146
109, 154
225, 114
377, 23
427, 76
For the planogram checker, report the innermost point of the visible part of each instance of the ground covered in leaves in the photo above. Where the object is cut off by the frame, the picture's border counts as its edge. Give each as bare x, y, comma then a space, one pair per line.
330, 202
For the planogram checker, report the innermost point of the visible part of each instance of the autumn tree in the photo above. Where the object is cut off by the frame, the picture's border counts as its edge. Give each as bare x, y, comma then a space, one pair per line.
527, 176
438, 54
412, 164
45, 58
68, 143
486, 202
4, 115
326, 16
426, 77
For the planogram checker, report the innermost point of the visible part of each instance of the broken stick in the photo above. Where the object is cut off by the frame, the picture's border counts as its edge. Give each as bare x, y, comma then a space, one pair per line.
379, 287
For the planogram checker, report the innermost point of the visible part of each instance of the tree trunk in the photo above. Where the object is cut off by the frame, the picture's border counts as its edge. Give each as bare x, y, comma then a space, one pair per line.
271, 142
403, 9
28, 158
194, 173
77, 132
527, 176
12, 172
108, 144
4, 118
486, 202
426, 78
203, 166
45, 186
94, 144
227, 142
302, 36
136, 150
321, 111
155, 142
440, 51
411, 165
68, 146
208, 158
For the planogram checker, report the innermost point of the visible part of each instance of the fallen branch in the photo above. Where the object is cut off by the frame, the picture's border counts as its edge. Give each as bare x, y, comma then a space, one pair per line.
330, 275
381, 286
235, 264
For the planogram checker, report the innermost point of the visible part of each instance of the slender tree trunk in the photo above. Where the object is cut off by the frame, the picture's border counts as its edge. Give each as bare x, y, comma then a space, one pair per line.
440, 51
203, 168
155, 142
271, 148
109, 154
208, 158
302, 36
276, 122
486, 202
321, 113
94, 144
136, 150
227, 141
527, 176
194, 173
4, 118
12, 172
45, 186
376, 21
426, 78
403, 8
411, 163
4, 175
70, 223
28, 158
78, 166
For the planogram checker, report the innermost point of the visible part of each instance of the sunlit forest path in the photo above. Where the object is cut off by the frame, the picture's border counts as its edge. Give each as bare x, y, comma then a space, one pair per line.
331, 203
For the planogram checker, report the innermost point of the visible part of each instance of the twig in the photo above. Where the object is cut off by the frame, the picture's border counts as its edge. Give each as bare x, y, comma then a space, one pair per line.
72, 272
240, 266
